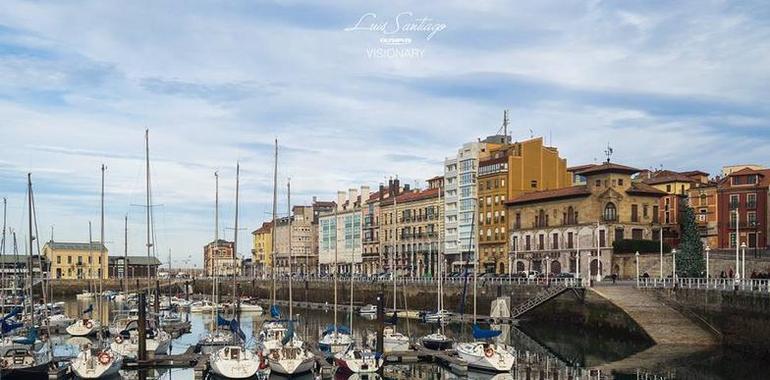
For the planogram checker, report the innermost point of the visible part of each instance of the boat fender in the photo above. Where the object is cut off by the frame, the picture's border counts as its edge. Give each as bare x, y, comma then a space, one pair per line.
104, 358
89, 324
118, 339
489, 352
3, 363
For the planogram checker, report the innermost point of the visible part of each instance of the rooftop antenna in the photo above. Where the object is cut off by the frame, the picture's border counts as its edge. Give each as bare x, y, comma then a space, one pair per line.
505, 126
531, 133
608, 152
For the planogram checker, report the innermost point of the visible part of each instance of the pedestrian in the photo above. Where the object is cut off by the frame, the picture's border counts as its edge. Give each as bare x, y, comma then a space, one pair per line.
614, 277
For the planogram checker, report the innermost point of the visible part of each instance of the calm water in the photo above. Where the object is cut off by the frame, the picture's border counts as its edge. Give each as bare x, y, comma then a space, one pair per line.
547, 350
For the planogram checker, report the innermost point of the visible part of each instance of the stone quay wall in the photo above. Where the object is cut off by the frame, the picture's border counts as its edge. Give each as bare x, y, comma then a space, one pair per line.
625, 264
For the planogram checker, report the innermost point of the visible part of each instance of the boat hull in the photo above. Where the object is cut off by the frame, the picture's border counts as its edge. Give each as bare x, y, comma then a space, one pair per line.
291, 366
477, 356
437, 344
39, 371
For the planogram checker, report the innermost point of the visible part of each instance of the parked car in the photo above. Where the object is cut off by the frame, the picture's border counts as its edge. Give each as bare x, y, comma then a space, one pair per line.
533, 274
564, 275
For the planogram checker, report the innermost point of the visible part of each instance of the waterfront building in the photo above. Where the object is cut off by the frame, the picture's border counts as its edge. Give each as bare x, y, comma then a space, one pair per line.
262, 249
676, 185
219, 259
341, 229
133, 266
319, 207
75, 260
702, 197
512, 170
552, 229
298, 227
371, 258
460, 172
742, 208
412, 222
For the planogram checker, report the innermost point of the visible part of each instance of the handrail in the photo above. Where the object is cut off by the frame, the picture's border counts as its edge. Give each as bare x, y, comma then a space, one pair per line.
724, 284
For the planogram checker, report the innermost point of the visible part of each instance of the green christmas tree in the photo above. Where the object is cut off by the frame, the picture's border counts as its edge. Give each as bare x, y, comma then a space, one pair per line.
689, 258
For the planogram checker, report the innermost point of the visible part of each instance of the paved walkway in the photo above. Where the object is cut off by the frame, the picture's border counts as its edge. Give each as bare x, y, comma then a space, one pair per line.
662, 323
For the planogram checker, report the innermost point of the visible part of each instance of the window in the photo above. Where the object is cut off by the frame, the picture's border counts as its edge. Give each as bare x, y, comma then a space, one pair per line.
515, 243
528, 244
598, 183
751, 218
58, 259
533, 184
541, 242
644, 211
734, 201
655, 216
602, 238
517, 225
619, 232
620, 181
610, 212
751, 200
668, 188
635, 213
555, 241
637, 234
732, 239
569, 239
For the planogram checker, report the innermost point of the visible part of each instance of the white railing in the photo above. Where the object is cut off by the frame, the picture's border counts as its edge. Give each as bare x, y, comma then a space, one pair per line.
431, 281
726, 284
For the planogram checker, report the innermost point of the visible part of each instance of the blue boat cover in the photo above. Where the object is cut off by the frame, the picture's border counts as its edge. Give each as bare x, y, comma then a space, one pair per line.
341, 329
90, 309
480, 333
289, 334
235, 327
392, 320
13, 313
221, 321
30, 339
275, 312
8, 327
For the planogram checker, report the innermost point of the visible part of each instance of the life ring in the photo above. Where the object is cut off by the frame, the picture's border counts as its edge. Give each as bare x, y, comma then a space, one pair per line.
489, 352
104, 358
89, 324
3, 363
118, 339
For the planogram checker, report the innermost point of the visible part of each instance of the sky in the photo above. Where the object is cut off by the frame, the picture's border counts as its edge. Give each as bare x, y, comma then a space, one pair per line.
355, 92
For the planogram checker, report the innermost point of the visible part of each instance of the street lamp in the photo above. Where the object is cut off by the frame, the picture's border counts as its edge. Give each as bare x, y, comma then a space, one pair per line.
547, 261
743, 259
708, 250
637, 268
673, 264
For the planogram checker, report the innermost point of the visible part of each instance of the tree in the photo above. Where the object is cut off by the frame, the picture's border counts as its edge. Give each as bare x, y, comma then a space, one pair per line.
689, 258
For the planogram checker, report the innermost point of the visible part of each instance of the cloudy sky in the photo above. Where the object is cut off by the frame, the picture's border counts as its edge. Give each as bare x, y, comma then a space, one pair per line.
678, 84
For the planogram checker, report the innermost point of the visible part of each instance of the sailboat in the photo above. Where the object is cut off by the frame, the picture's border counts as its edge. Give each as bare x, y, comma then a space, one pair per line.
20, 358
393, 340
357, 359
217, 337
335, 338
234, 361
484, 353
437, 340
101, 361
292, 358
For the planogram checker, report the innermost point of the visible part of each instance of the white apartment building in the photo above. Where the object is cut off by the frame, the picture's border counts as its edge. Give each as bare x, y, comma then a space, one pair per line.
341, 231
460, 171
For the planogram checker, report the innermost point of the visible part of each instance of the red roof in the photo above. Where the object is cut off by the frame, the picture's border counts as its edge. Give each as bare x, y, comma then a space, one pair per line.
578, 168
550, 195
608, 167
266, 227
638, 188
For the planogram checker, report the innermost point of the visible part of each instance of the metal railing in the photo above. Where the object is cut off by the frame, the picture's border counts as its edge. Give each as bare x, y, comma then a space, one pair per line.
405, 279
726, 284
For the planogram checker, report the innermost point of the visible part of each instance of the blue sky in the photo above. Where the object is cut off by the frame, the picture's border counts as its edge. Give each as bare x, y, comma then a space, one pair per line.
677, 84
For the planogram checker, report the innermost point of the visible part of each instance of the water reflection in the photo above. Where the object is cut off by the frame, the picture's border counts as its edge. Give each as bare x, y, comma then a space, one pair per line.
544, 350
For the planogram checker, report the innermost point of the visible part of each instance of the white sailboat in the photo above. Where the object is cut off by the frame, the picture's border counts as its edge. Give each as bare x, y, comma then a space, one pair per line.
234, 361
335, 339
216, 337
292, 358
438, 340
357, 359
101, 361
484, 353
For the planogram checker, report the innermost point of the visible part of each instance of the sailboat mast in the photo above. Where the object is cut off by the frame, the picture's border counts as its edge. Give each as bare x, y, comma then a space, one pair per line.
125, 254
2, 253
272, 235
475, 265
147, 197
395, 248
335, 269
288, 200
214, 267
101, 244
31, 239
235, 234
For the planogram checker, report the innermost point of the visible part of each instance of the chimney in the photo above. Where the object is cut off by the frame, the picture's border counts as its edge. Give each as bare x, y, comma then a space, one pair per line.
382, 191
314, 199
406, 188
352, 195
340, 199
364, 194
396, 186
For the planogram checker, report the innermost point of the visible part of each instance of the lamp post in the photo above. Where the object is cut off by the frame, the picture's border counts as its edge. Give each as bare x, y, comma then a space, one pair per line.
737, 245
660, 237
743, 259
637, 268
708, 250
673, 264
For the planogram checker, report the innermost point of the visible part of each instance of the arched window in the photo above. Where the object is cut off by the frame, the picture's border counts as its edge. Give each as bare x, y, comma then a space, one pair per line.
610, 212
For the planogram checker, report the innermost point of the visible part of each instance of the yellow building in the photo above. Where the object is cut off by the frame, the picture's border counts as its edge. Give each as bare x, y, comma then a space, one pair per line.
261, 253
76, 260
512, 170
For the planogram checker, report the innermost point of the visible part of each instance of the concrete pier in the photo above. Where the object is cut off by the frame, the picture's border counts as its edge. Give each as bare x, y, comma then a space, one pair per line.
663, 324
